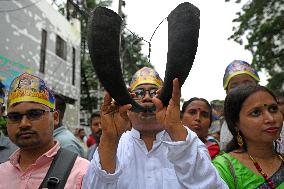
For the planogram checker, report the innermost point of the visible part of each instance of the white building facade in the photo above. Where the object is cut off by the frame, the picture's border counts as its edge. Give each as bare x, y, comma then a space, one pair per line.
36, 37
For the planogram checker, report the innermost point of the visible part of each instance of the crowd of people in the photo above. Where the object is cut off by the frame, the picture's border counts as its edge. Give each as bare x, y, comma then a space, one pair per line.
238, 144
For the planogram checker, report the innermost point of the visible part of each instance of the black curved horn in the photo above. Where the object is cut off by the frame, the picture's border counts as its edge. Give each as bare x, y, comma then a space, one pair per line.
103, 40
104, 28
183, 31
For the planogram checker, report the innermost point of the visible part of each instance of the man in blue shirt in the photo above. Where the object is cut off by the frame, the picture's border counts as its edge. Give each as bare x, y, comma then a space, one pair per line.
6, 146
66, 138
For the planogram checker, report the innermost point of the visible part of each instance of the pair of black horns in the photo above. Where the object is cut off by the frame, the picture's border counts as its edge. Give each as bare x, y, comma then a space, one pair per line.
104, 29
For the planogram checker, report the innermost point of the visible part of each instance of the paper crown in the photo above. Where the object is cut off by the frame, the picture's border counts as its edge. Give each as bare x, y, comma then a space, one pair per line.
29, 88
238, 67
145, 76
2, 97
2, 93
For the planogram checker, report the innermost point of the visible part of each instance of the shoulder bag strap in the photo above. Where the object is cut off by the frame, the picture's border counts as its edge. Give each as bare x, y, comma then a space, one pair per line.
59, 170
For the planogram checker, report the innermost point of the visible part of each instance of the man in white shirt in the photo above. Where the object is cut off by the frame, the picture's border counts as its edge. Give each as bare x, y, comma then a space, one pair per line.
157, 152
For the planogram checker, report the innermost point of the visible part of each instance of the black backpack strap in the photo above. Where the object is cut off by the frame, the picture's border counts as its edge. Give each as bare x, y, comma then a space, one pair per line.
59, 170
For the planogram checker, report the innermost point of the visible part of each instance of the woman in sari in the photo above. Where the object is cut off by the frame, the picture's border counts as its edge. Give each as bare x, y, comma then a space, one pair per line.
254, 119
197, 116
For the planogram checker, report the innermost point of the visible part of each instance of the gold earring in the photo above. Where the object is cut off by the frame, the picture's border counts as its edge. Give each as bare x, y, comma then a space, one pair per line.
240, 140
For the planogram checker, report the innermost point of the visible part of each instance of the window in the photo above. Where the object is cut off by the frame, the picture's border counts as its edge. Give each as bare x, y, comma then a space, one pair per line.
73, 65
42, 51
60, 47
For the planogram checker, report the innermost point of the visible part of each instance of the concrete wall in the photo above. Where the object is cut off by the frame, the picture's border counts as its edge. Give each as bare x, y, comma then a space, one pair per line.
21, 25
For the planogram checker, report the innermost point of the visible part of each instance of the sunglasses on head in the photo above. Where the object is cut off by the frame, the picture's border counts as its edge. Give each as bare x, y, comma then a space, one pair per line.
33, 114
141, 93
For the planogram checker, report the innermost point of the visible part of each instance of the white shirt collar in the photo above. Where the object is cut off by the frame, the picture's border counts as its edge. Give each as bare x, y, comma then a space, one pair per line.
136, 134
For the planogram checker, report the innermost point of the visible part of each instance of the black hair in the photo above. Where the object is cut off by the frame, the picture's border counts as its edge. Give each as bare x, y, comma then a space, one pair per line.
80, 129
232, 107
94, 114
2, 88
60, 106
186, 103
280, 97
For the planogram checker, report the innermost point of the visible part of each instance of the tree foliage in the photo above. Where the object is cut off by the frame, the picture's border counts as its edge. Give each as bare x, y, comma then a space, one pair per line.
131, 57
276, 83
91, 91
261, 22
91, 4
89, 86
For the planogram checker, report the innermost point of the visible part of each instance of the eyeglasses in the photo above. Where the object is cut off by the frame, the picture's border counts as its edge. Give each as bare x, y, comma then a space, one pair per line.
32, 115
141, 93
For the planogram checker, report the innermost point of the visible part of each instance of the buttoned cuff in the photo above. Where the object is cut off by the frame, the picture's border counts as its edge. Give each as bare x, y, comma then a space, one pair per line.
106, 177
177, 149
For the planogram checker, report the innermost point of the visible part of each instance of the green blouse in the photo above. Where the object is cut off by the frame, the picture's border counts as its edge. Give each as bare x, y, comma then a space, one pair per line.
243, 177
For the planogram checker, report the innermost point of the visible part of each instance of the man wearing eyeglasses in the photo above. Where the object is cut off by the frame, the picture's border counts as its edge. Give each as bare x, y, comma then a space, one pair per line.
157, 152
30, 123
